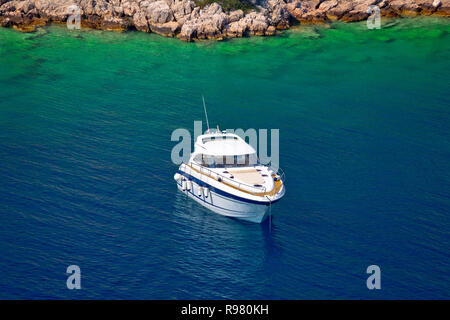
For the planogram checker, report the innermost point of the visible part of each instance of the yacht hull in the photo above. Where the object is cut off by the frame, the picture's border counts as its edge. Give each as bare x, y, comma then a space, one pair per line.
227, 206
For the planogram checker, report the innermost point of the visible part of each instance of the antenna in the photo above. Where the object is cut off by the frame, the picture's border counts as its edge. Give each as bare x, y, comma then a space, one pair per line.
204, 107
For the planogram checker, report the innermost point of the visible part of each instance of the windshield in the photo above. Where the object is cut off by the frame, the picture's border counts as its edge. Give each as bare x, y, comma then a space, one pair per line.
244, 160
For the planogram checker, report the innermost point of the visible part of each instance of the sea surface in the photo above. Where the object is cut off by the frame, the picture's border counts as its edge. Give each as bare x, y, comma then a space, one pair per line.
86, 176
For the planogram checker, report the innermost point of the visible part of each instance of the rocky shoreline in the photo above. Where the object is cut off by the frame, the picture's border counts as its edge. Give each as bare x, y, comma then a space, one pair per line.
187, 21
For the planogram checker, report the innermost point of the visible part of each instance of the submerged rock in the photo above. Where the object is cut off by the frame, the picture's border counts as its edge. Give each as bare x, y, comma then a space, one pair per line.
187, 21
116, 23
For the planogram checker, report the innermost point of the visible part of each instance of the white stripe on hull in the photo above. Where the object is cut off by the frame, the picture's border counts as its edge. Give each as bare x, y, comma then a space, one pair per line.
227, 206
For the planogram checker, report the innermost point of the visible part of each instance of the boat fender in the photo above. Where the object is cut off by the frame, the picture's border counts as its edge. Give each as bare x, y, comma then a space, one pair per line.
199, 191
188, 185
177, 177
183, 185
206, 192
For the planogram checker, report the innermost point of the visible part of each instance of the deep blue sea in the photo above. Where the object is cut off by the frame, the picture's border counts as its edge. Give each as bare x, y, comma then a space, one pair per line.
86, 176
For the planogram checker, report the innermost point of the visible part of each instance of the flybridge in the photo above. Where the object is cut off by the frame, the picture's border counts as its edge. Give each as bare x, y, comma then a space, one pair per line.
218, 138
226, 145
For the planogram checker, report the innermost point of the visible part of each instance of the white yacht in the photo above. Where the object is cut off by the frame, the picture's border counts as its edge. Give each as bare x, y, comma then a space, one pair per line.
224, 175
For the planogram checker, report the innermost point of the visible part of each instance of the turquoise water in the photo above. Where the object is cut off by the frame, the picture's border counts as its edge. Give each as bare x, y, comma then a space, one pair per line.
86, 177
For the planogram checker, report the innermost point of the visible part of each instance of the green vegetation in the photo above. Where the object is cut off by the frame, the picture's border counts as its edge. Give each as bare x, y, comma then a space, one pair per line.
228, 5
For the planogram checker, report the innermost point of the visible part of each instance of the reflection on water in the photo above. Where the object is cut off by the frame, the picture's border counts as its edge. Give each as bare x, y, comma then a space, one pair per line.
218, 225
228, 250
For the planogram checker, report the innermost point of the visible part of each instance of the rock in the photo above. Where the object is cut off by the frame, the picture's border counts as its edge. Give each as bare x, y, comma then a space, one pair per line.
235, 16
354, 15
168, 29
312, 11
116, 24
140, 21
417, 7
182, 9
188, 32
184, 19
339, 11
159, 12
306, 11
206, 23
25, 28
236, 29
257, 23
211, 9
130, 8
442, 9
278, 13
24, 6
270, 31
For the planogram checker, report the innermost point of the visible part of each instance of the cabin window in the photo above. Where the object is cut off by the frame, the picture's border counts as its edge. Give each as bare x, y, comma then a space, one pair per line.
207, 161
243, 160
229, 161
198, 158
218, 138
219, 161
253, 159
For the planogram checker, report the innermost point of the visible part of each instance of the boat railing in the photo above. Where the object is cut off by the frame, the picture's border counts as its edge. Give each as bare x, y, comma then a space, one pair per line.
216, 175
279, 172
